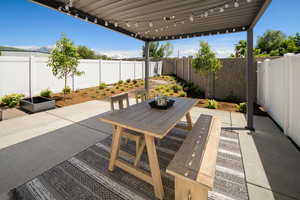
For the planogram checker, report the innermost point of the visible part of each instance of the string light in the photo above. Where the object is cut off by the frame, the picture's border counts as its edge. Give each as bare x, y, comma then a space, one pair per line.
150, 24
236, 4
191, 18
221, 9
206, 14
106, 23
95, 20
116, 24
226, 6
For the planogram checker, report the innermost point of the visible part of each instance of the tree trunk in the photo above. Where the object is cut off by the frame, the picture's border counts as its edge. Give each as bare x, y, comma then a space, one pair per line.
209, 93
64, 90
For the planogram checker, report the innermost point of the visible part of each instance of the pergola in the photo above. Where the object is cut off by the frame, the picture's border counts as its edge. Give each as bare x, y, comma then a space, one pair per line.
159, 20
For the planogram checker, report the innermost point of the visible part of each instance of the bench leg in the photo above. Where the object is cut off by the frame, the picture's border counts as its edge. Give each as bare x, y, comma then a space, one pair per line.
154, 167
189, 121
187, 190
115, 147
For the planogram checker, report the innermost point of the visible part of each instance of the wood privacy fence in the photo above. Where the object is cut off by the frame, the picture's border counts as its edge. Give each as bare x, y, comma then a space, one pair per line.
278, 92
229, 82
25, 74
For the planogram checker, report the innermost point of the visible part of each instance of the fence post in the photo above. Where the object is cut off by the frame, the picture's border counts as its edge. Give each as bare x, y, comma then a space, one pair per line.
134, 66
32, 76
120, 66
100, 63
287, 89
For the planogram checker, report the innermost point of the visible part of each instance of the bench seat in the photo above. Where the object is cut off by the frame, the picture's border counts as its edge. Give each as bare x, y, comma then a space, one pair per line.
194, 164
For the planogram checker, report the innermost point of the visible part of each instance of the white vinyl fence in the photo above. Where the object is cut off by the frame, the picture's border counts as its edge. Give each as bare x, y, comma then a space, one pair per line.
278, 92
19, 74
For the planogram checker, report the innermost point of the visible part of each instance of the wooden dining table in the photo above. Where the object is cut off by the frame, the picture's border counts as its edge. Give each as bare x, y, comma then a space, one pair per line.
152, 123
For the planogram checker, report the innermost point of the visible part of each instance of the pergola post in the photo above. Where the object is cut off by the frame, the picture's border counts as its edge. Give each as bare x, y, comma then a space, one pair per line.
146, 53
250, 79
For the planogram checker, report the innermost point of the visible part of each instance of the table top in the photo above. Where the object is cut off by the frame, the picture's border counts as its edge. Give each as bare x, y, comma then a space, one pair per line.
150, 121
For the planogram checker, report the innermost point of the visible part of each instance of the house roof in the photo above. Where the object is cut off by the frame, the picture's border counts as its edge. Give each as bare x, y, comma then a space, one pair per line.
154, 20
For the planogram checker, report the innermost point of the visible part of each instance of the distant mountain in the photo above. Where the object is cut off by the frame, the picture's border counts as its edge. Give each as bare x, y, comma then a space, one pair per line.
4, 48
44, 49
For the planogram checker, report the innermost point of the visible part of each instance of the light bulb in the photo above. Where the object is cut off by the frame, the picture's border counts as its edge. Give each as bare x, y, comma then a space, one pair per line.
136, 24
233, 30
67, 7
191, 18
249, 1
106, 23
206, 14
236, 4
226, 5
150, 24
86, 19
59, 8
76, 15
127, 24
221, 9
156, 30
175, 25
116, 24
95, 20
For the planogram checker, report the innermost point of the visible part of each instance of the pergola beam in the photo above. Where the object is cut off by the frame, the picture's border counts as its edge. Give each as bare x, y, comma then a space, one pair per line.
260, 13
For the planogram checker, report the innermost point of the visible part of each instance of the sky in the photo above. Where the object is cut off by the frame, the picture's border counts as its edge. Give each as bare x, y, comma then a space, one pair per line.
30, 26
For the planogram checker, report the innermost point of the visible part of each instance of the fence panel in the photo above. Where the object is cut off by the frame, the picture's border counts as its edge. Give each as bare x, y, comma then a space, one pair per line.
110, 71
17, 74
14, 75
127, 70
278, 92
90, 78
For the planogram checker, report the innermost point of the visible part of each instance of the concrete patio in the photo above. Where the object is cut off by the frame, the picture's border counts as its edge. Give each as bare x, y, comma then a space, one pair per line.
32, 144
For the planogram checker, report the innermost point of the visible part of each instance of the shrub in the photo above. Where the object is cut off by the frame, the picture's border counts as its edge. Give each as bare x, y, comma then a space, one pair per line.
128, 80
182, 94
120, 82
122, 89
97, 91
107, 89
93, 97
211, 104
11, 100
242, 107
112, 91
117, 87
134, 81
176, 88
102, 86
66, 90
46, 93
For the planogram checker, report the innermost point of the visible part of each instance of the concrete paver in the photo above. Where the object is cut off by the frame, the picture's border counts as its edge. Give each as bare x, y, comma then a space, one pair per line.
32, 144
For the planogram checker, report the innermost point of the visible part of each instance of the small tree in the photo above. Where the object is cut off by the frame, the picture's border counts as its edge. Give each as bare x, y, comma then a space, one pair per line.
205, 62
64, 59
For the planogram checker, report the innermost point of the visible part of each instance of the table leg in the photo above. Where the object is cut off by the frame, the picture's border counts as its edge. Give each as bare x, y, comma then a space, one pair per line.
189, 120
139, 153
115, 147
154, 167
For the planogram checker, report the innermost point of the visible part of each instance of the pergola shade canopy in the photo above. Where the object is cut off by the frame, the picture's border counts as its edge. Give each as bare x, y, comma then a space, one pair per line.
155, 20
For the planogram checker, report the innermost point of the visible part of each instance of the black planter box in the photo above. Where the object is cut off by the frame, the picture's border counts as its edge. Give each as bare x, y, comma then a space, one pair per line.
36, 104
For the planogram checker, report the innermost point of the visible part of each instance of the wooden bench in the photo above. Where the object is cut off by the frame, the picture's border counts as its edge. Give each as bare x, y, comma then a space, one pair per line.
194, 164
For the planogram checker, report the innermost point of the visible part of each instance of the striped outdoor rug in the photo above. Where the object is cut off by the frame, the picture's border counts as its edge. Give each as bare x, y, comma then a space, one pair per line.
85, 176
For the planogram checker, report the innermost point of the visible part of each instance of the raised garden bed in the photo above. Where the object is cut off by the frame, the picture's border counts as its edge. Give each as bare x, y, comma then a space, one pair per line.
37, 104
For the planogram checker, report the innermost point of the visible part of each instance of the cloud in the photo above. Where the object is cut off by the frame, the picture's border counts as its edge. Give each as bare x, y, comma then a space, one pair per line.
121, 53
221, 50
